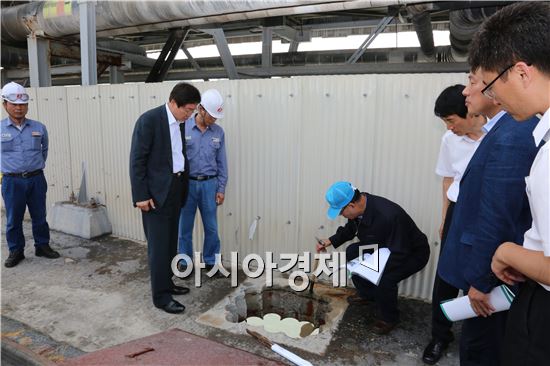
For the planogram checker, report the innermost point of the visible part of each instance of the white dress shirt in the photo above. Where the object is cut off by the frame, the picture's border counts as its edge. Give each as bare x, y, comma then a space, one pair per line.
178, 162
454, 155
538, 190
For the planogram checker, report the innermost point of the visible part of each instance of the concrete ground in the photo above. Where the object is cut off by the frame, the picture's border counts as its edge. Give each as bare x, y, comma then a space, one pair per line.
97, 295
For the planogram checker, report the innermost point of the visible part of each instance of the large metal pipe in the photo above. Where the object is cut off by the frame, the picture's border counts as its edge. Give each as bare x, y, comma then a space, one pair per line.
463, 24
124, 17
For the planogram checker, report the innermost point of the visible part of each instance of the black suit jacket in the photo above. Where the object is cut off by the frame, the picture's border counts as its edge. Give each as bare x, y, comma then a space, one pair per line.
151, 158
387, 224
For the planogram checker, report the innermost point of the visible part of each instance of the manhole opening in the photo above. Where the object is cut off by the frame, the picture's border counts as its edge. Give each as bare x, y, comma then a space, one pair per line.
286, 303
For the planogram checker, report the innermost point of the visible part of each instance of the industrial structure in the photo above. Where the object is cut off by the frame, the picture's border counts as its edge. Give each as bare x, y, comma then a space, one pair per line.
86, 42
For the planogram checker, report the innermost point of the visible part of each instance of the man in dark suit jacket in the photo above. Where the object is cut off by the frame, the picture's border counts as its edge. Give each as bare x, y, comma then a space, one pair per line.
377, 220
159, 176
492, 208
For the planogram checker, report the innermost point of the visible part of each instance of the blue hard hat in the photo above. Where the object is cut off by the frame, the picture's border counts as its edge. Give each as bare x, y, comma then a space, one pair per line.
338, 196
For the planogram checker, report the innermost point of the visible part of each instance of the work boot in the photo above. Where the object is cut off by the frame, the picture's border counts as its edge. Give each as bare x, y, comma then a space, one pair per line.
14, 258
46, 251
381, 327
357, 299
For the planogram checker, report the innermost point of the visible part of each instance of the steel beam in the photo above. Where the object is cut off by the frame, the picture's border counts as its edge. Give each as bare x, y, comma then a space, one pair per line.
167, 55
116, 76
285, 71
225, 53
194, 63
267, 52
88, 42
39, 61
379, 28
293, 46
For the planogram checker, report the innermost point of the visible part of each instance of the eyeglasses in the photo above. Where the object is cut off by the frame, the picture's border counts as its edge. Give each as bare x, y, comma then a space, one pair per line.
488, 91
16, 97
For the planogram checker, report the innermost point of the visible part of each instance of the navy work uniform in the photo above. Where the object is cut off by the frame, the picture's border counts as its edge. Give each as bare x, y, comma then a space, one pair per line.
24, 153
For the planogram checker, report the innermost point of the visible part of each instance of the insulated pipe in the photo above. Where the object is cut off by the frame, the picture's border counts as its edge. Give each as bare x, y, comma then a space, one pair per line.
422, 22
463, 24
124, 17
423, 26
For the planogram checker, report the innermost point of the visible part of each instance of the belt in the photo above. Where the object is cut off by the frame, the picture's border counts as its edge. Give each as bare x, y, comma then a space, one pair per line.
24, 174
203, 177
178, 174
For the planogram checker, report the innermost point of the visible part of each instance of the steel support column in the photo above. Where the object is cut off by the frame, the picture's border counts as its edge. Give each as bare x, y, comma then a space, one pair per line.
167, 55
267, 41
293, 46
39, 61
88, 54
116, 76
225, 53
379, 28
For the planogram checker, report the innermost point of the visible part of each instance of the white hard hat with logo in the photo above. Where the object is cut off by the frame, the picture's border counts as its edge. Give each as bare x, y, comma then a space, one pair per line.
15, 93
212, 101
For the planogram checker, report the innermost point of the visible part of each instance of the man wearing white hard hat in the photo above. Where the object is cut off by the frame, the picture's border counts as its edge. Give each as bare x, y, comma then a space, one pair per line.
24, 153
205, 142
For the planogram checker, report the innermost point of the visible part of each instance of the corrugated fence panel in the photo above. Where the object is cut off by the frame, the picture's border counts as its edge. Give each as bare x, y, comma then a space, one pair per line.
52, 109
119, 111
86, 140
265, 164
287, 140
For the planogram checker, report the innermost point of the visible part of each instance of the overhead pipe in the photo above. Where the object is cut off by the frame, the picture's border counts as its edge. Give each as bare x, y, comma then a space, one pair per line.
463, 24
422, 22
125, 17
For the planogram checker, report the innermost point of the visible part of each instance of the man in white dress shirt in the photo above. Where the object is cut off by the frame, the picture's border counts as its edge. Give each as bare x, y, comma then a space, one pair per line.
458, 145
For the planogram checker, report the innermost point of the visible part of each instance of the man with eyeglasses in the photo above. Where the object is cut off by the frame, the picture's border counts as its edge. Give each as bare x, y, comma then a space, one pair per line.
492, 207
377, 220
205, 142
24, 153
512, 50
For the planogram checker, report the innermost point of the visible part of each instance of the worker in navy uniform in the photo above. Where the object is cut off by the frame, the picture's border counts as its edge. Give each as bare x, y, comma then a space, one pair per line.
205, 144
159, 176
24, 153
377, 220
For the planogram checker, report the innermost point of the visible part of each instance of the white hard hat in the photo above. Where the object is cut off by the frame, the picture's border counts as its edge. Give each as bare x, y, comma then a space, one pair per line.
15, 93
212, 101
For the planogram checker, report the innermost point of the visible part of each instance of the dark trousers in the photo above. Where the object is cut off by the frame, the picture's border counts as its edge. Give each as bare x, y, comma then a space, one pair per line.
397, 269
481, 340
527, 335
161, 230
441, 326
20, 193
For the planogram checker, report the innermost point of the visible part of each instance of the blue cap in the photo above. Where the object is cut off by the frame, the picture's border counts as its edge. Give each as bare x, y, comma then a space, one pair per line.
338, 196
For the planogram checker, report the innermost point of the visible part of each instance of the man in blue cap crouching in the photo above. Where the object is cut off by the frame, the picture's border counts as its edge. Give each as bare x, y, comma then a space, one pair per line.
377, 220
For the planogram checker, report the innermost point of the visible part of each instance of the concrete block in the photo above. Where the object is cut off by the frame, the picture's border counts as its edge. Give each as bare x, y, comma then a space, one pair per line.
85, 222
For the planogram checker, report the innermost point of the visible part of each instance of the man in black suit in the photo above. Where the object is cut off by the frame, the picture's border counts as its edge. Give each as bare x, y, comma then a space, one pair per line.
159, 176
377, 220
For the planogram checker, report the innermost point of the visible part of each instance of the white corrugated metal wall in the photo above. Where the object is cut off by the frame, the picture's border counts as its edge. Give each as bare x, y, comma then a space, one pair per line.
287, 141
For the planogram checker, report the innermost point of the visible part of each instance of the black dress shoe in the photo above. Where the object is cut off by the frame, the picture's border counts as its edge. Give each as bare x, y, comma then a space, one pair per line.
46, 251
173, 307
434, 351
179, 290
14, 258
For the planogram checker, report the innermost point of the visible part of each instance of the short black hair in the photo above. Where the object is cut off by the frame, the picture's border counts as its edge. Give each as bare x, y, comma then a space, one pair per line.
518, 32
451, 101
184, 93
356, 196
